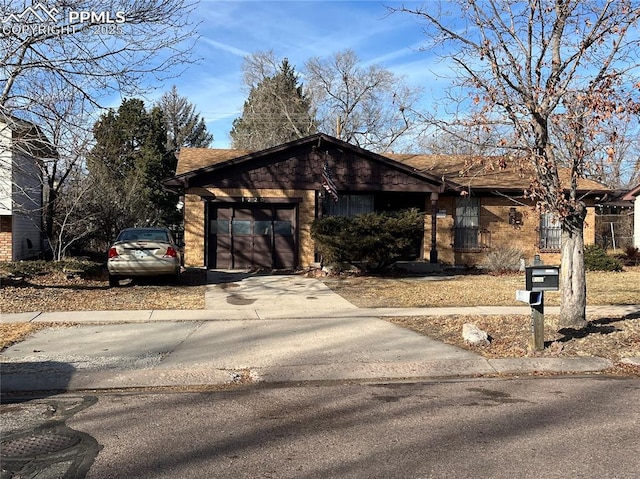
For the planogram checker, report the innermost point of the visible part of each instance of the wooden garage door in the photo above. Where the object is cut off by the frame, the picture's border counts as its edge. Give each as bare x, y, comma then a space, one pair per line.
243, 237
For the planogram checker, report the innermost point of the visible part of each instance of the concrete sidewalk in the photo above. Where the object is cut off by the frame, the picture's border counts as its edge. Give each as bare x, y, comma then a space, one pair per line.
263, 328
275, 311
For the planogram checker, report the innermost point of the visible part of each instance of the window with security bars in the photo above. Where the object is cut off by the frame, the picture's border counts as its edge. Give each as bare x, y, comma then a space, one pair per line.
467, 224
550, 232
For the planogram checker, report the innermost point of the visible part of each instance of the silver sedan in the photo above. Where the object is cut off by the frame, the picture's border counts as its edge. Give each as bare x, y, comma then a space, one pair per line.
143, 252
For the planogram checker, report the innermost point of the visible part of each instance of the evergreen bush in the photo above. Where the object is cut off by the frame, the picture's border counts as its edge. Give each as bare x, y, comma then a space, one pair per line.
597, 259
374, 240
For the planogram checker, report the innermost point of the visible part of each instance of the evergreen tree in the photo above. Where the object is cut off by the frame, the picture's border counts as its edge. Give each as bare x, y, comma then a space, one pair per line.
127, 164
184, 126
276, 111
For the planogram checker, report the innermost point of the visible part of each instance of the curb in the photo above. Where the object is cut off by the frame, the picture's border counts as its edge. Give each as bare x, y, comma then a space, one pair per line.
32, 381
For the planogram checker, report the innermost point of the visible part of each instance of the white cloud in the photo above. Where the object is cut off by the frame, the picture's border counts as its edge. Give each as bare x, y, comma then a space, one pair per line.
225, 47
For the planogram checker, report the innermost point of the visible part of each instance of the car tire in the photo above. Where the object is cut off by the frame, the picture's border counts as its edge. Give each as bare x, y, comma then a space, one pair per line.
114, 281
174, 279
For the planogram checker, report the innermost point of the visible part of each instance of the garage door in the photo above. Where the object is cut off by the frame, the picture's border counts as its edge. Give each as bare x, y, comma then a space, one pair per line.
243, 237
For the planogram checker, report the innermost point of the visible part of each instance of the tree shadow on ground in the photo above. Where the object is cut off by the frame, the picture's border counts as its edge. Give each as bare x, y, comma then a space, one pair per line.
597, 326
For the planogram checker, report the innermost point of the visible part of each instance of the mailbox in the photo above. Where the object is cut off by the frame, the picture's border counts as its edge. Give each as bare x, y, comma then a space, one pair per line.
542, 278
533, 298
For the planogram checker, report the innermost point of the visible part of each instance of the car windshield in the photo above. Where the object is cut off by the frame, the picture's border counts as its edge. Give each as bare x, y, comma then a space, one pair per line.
147, 235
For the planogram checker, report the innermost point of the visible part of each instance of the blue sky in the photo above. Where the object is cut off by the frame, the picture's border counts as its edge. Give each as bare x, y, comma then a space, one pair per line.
298, 30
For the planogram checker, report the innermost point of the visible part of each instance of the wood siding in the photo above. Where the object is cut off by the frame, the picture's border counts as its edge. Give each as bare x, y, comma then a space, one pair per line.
20, 201
301, 168
27, 207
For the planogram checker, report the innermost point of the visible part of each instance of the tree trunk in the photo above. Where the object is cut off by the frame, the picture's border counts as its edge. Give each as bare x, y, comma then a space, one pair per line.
573, 282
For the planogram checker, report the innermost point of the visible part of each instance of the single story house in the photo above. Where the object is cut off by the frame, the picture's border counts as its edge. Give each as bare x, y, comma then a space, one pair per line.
22, 149
634, 195
247, 209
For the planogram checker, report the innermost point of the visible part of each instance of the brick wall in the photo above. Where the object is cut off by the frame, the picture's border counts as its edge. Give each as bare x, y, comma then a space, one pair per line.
494, 218
6, 245
193, 230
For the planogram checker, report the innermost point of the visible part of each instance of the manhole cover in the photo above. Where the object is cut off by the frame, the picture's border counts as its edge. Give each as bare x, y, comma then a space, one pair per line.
38, 444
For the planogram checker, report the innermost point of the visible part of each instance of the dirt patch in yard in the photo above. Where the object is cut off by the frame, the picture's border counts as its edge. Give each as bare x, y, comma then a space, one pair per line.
607, 337
476, 290
59, 291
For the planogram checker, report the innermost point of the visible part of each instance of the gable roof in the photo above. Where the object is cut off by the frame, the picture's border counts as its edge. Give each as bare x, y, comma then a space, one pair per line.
193, 162
192, 159
455, 172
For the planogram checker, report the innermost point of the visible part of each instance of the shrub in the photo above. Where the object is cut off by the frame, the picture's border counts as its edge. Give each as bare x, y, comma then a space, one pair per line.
503, 259
375, 239
631, 256
596, 259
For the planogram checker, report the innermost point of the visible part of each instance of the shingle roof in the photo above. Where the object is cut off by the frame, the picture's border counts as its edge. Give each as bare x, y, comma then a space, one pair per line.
466, 171
191, 159
485, 172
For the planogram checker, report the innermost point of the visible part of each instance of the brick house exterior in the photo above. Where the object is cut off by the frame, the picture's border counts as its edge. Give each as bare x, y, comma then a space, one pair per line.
255, 209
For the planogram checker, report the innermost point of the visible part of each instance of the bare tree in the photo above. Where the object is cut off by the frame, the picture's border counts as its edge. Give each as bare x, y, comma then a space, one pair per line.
74, 221
533, 63
140, 42
60, 60
619, 165
365, 105
459, 139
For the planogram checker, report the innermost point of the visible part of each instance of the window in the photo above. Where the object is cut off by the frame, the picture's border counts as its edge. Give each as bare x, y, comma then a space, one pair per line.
241, 227
350, 205
282, 228
262, 227
219, 227
550, 232
467, 223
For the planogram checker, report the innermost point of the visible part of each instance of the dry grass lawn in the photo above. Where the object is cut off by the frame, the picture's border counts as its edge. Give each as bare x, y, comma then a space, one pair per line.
610, 337
477, 290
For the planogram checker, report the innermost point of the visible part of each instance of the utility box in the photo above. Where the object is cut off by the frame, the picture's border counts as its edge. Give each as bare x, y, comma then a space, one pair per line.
542, 278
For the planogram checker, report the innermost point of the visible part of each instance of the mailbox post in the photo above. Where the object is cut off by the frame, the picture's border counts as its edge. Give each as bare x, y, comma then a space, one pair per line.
538, 279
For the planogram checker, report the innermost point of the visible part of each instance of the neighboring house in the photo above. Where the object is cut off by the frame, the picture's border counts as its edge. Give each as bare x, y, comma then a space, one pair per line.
22, 148
614, 221
255, 209
634, 195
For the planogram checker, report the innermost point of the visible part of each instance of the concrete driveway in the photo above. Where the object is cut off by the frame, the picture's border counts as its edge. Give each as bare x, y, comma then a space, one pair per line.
266, 327
271, 296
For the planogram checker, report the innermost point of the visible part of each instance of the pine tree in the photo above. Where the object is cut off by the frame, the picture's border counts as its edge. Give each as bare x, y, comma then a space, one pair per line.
184, 126
276, 111
127, 164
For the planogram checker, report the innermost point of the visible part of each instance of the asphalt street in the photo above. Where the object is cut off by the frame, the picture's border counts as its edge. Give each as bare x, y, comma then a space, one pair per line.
286, 379
480, 428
